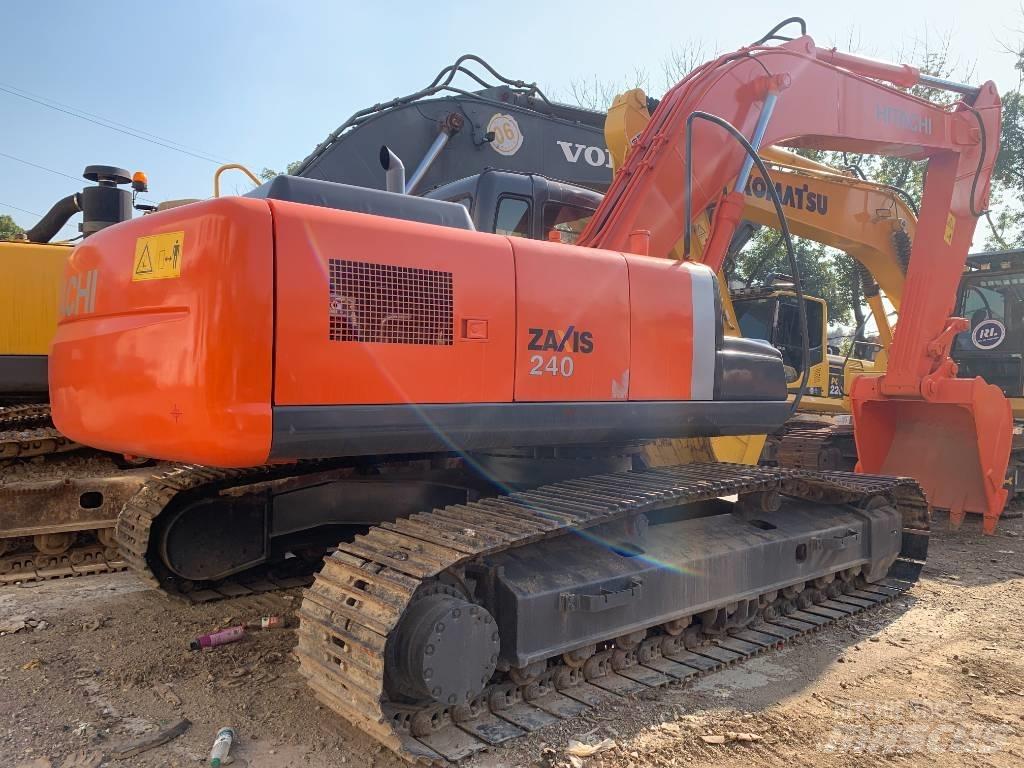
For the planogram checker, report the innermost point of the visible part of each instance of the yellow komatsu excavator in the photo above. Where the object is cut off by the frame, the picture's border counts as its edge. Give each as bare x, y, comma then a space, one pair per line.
875, 226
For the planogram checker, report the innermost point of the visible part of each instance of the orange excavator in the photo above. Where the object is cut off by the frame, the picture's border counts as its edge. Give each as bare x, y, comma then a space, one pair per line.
460, 413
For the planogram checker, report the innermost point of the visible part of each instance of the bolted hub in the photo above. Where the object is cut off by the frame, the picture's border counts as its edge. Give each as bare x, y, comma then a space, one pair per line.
445, 650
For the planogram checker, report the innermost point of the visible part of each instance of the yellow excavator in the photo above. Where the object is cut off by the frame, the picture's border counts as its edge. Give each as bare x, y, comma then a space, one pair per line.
57, 515
873, 224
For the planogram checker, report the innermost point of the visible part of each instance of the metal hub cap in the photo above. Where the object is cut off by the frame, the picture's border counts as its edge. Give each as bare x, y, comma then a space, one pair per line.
447, 649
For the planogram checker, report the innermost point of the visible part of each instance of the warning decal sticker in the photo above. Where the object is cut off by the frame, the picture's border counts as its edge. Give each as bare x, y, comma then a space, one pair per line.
158, 257
950, 229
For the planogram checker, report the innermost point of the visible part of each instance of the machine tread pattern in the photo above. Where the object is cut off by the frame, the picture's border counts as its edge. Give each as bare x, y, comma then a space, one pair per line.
81, 560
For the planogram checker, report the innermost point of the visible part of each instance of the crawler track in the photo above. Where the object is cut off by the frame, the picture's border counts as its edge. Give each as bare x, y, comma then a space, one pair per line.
816, 446
45, 546
366, 586
24, 415
27, 431
135, 522
86, 555
46, 531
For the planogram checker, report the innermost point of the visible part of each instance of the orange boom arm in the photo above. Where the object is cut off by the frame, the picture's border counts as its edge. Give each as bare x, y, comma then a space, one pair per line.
950, 434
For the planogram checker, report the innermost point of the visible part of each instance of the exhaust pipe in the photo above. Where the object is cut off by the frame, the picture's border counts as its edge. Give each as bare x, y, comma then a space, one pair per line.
394, 170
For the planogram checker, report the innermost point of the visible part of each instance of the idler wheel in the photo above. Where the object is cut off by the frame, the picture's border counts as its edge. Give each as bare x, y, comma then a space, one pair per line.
528, 674
577, 658
53, 543
446, 650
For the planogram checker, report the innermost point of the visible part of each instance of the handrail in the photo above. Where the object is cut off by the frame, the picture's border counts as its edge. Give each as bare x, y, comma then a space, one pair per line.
232, 167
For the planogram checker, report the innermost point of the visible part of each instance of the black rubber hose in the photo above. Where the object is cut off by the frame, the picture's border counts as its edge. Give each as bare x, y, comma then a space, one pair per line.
907, 198
772, 33
55, 218
783, 226
981, 164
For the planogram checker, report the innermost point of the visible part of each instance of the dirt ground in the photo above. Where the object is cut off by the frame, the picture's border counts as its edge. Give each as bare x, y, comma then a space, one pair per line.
936, 679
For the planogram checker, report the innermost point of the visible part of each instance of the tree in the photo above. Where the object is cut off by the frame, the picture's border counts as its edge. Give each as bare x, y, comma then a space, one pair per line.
1007, 226
8, 228
269, 173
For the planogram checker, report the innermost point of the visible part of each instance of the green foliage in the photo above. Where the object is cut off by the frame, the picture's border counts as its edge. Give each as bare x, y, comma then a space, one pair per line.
1007, 222
8, 227
268, 173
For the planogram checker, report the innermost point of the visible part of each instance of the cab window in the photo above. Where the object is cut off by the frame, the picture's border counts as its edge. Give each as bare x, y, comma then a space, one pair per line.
986, 301
568, 220
512, 217
789, 338
756, 318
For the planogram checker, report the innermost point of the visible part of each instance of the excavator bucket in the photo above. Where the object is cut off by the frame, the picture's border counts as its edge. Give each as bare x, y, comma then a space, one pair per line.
955, 444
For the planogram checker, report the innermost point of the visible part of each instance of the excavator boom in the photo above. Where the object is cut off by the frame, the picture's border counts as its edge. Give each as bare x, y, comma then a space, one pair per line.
919, 420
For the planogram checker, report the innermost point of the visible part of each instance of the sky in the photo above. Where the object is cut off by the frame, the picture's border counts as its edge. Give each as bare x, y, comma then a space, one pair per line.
261, 83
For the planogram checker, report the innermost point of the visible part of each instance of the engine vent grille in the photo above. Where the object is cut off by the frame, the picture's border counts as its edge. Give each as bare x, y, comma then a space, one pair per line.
385, 304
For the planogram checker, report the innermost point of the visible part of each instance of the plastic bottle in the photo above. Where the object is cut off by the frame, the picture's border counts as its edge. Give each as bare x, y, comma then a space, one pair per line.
229, 635
268, 622
221, 746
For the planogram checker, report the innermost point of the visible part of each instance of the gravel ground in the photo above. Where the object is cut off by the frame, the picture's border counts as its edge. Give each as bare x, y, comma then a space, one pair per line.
936, 679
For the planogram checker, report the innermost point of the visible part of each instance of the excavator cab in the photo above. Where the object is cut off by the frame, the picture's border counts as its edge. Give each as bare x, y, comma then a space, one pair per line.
522, 204
772, 314
991, 298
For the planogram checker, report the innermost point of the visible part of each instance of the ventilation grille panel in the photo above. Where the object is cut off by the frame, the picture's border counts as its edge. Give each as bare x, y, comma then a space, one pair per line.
386, 304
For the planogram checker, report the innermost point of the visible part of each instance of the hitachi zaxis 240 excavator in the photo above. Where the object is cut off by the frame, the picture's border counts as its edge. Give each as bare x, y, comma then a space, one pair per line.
59, 500
460, 409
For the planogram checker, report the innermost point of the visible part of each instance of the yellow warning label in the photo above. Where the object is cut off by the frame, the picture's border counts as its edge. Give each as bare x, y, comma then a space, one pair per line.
950, 229
158, 257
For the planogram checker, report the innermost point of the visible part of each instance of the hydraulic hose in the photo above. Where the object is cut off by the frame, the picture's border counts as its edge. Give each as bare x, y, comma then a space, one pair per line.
783, 227
773, 33
55, 218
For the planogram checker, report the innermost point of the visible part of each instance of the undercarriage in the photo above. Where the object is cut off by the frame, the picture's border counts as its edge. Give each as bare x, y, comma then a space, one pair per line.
442, 632
59, 501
